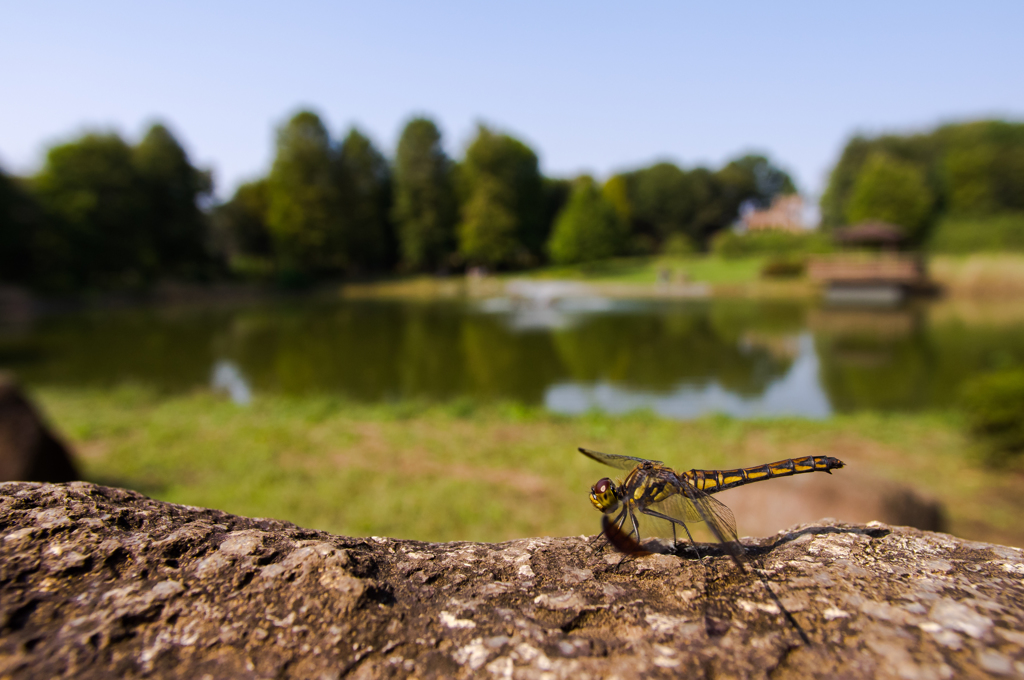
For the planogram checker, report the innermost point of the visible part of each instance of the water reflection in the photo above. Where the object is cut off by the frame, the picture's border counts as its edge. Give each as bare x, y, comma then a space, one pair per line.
796, 393
228, 378
679, 358
547, 305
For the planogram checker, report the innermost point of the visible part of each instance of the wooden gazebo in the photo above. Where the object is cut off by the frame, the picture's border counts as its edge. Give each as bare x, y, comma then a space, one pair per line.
879, 273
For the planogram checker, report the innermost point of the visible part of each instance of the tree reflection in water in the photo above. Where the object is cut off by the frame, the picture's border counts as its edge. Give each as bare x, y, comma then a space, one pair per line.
679, 358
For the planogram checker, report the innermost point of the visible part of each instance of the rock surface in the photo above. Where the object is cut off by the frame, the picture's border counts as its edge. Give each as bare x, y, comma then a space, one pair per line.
98, 582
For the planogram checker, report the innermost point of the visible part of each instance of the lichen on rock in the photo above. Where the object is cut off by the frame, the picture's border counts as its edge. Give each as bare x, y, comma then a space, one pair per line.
99, 582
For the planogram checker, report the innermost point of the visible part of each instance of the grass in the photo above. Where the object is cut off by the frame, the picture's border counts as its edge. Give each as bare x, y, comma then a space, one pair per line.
983, 276
619, 277
709, 269
467, 472
979, 276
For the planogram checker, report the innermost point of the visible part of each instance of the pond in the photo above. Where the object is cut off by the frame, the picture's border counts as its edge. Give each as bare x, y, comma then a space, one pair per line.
681, 359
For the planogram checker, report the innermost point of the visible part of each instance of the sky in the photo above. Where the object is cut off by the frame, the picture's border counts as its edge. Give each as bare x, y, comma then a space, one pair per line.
592, 87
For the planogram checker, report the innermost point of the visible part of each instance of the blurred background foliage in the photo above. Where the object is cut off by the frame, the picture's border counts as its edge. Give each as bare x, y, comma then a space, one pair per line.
104, 214
993, 403
959, 186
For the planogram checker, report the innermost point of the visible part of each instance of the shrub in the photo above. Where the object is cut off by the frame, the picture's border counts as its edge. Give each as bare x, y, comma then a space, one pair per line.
783, 268
678, 245
994, 406
729, 244
992, 233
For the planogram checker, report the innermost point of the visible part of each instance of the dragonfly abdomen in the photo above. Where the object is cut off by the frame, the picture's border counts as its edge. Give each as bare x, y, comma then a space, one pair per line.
713, 481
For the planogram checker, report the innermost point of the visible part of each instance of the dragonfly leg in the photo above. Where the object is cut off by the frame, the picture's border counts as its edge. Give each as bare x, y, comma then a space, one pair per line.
674, 522
636, 526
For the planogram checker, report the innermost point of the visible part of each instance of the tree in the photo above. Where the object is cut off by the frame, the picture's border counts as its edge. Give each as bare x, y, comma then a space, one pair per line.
424, 197
241, 224
660, 201
891, 191
753, 178
616, 190
174, 188
502, 169
589, 228
20, 223
304, 200
97, 209
365, 183
487, 233
556, 195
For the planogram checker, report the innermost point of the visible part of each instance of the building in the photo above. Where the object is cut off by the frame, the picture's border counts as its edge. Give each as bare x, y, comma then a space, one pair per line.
786, 213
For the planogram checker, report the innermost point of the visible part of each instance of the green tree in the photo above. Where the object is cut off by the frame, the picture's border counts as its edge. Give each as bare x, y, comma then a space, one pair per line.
487, 233
589, 228
556, 194
498, 167
424, 208
304, 199
660, 199
969, 182
891, 191
365, 183
752, 178
174, 188
922, 151
20, 224
616, 190
97, 208
240, 225
972, 169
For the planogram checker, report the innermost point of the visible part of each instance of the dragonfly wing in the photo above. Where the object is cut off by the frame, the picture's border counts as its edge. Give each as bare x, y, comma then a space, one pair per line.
719, 519
616, 461
680, 507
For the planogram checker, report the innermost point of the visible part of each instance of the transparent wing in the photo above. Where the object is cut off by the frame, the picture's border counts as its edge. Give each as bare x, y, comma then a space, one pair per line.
681, 507
620, 462
687, 505
719, 519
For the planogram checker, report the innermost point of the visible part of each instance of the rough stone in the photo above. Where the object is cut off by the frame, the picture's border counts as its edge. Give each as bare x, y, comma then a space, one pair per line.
98, 582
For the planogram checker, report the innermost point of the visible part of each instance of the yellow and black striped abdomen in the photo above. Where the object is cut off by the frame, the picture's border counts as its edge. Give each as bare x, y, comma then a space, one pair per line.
713, 481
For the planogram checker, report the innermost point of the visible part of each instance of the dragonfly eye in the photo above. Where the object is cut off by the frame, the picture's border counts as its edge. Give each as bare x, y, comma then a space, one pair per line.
602, 495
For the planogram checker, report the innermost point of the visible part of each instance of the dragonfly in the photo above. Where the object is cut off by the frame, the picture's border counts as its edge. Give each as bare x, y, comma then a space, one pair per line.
659, 500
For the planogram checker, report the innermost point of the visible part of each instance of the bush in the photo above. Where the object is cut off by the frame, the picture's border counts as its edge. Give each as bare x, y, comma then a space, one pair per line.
994, 406
729, 244
993, 233
783, 268
678, 245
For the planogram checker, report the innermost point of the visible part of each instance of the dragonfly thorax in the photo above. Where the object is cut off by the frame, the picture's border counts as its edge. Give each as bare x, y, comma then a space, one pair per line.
605, 495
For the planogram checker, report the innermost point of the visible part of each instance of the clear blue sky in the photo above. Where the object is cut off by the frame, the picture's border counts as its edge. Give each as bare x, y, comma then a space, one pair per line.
592, 86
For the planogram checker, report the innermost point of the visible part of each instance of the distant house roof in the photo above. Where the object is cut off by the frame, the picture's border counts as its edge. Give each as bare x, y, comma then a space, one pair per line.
785, 213
870, 233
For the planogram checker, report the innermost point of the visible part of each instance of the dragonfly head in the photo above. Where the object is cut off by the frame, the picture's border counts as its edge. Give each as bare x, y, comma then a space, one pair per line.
604, 495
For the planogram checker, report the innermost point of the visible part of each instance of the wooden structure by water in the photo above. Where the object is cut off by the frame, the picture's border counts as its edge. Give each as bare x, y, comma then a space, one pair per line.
878, 274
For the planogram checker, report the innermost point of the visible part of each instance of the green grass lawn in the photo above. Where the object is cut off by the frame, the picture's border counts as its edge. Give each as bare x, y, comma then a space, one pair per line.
727, 275
976, 276
461, 471
709, 269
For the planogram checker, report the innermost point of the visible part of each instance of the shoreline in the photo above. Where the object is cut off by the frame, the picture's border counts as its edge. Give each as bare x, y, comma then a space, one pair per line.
978, 278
